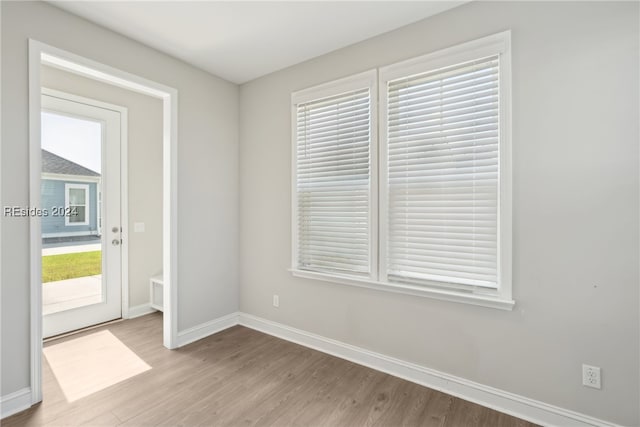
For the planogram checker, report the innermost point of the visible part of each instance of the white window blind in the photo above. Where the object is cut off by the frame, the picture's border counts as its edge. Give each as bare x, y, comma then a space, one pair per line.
443, 175
332, 183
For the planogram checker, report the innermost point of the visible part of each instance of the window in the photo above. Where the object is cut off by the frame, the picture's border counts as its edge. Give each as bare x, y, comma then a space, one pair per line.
333, 134
77, 203
442, 227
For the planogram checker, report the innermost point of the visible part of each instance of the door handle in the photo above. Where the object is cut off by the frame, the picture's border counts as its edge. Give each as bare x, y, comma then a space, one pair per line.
115, 229
115, 242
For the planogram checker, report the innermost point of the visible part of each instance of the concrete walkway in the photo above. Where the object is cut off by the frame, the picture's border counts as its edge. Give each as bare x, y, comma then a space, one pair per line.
71, 293
71, 249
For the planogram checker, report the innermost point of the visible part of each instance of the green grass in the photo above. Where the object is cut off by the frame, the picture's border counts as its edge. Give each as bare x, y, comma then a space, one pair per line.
69, 266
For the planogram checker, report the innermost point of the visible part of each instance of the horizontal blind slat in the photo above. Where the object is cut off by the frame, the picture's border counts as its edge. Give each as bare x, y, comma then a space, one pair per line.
460, 140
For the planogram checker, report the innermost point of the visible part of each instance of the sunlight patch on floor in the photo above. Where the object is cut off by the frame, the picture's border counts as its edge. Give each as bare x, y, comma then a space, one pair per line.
86, 365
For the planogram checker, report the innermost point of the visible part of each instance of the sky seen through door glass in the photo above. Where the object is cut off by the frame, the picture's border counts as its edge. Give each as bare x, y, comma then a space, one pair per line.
73, 138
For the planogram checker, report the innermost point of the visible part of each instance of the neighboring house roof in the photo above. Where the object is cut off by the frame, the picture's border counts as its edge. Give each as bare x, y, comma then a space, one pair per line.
52, 163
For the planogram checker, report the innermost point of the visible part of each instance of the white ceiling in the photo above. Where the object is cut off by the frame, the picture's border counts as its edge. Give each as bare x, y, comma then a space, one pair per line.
241, 40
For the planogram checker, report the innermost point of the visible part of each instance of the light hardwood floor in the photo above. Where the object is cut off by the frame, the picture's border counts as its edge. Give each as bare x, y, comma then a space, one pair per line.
241, 377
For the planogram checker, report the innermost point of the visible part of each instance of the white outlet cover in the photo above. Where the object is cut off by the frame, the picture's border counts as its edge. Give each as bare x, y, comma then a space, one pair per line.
138, 227
591, 376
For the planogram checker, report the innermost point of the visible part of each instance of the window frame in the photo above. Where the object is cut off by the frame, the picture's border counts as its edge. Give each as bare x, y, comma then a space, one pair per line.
473, 50
367, 79
87, 213
500, 298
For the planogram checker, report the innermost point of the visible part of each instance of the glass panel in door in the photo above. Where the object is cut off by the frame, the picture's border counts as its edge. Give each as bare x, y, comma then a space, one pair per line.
71, 182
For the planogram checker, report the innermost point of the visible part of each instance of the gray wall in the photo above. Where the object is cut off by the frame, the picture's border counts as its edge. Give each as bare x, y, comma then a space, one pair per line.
144, 171
576, 211
207, 169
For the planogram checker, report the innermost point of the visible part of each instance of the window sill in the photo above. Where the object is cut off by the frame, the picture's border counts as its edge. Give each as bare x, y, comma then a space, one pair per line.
441, 294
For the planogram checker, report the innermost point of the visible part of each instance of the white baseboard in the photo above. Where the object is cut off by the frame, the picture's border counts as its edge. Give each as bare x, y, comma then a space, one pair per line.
15, 402
139, 310
205, 329
500, 400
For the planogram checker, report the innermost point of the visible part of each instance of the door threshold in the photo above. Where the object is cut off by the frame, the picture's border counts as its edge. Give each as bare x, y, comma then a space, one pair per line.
78, 331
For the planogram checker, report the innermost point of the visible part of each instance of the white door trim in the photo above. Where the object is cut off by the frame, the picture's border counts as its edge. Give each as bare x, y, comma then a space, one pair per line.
41, 53
124, 185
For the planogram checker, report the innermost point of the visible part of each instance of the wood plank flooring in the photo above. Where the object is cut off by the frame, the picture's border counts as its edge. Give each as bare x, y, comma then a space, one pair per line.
241, 377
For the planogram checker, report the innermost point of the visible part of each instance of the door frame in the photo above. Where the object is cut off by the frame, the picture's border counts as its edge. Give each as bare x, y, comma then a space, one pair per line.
124, 184
41, 53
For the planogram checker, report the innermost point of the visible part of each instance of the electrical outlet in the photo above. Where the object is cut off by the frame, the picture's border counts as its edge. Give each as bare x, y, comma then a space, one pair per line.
591, 376
276, 301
